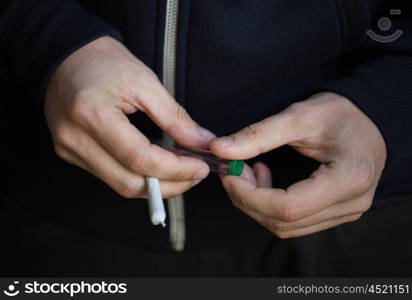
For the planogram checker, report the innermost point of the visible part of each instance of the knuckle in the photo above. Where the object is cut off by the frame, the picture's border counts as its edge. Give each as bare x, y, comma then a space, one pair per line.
354, 218
80, 110
180, 117
61, 152
363, 180
289, 213
253, 131
175, 189
282, 234
173, 193
180, 174
138, 162
181, 113
244, 203
62, 137
168, 194
299, 110
129, 189
365, 204
66, 138
235, 202
65, 155
280, 226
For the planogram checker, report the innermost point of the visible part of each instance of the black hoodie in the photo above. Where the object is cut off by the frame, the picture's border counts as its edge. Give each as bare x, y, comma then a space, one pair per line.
238, 61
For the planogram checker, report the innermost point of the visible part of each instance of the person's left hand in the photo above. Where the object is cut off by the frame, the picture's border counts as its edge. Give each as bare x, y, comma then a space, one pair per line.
328, 128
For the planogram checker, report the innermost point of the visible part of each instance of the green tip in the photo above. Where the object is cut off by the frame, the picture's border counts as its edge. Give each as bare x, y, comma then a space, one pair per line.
236, 167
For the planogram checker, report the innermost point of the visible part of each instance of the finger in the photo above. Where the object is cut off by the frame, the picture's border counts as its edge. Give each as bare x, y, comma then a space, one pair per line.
168, 189
260, 137
128, 185
263, 175
331, 183
292, 231
96, 160
347, 208
173, 118
72, 158
317, 228
249, 196
249, 175
133, 150
327, 186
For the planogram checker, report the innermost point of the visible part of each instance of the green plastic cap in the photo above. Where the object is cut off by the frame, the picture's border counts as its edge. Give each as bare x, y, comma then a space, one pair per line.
236, 167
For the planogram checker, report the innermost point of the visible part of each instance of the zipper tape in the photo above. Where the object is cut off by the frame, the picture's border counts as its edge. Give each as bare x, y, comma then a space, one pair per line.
175, 206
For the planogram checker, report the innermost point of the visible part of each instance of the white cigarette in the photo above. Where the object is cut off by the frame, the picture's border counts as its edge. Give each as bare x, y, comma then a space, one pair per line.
156, 205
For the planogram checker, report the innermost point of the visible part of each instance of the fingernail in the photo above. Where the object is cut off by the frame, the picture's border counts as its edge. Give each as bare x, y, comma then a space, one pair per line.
226, 141
206, 134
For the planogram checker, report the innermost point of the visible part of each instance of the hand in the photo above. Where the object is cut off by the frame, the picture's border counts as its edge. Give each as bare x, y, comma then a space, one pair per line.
328, 128
87, 100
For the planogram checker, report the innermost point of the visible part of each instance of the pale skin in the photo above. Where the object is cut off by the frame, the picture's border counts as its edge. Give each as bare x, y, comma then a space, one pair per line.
93, 90
86, 104
328, 128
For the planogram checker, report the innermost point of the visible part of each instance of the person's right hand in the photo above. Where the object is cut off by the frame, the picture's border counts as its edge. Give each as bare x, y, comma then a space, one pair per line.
86, 103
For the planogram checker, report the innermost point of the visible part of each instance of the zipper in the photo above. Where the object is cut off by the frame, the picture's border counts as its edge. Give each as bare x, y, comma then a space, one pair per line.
177, 227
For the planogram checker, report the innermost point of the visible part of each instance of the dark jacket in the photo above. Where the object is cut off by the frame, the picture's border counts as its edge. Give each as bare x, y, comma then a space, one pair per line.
238, 61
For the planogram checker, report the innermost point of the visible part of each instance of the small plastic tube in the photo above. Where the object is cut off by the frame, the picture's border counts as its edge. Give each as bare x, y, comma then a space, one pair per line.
216, 164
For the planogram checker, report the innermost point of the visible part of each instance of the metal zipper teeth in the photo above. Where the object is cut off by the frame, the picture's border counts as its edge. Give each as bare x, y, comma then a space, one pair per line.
169, 46
175, 205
